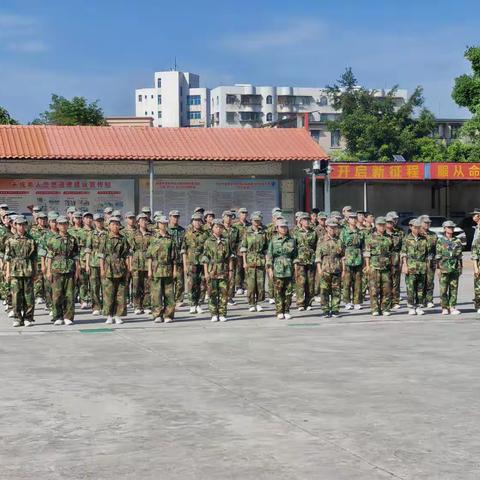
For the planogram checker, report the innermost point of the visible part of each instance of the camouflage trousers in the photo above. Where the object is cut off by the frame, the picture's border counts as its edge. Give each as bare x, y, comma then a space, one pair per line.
231, 281
476, 291
83, 287
282, 291
240, 276
271, 289
39, 283
23, 298
352, 284
219, 288
48, 293
5, 291
63, 296
195, 278
141, 289
396, 277
429, 283
380, 290
415, 288
330, 292
162, 297
449, 289
179, 283
114, 296
255, 283
305, 285
96, 288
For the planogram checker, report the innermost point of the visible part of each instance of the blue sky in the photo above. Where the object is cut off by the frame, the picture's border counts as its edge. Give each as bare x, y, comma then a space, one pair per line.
104, 49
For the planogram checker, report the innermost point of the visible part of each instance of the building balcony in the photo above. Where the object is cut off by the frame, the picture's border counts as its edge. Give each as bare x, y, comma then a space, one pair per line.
251, 100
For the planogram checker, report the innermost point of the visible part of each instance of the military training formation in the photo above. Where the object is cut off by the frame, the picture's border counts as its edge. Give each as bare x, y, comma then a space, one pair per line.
108, 262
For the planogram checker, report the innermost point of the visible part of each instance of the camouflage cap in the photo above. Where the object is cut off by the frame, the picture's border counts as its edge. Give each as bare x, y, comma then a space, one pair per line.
276, 209
52, 215
410, 222
98, 217
198, 210
380, 221
146, 210
114, 219
304, 216
389, 218
37, 208
71, 210
297, 214
62, 219
129, 215
476, 211
322, 215
352, 214
282, 223
12, 212
217, 221
161, 219
77, 214
86, 214
277, 215
42, 215
174, 213
257, 212
448, 224
20, 219
332, 222
210, 212
142, 215
242, 210
336, 213
392, 214
255, 217
3, 206
227, 213
347, 208
416, 223
425, 219
158, 213
117, 213
108, 210
197, 216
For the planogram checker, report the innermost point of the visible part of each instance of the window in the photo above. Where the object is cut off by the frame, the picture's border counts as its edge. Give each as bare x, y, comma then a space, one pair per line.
269, 117
151, 96
193, 100
159, 114
250, 117
159, 99
269, 99
230, 117
231, 99
153, 113
323, 101
335, 139
146, 113
159, 83
145, 97
218, 100
315, 134
139, 98
194, 115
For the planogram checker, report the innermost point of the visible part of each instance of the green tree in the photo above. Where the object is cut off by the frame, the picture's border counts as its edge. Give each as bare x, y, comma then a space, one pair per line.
5, 118
374, 125
71, 112
466, 93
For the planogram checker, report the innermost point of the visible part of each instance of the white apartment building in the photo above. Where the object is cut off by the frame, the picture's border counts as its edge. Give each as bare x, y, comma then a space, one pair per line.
176, 100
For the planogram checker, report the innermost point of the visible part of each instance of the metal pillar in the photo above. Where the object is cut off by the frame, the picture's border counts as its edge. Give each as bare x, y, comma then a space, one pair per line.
326, 193
314, 191
365, 197
151, 172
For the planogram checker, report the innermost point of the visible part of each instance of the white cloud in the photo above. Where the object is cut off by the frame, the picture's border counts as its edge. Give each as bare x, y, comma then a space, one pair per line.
21, 34
29, 46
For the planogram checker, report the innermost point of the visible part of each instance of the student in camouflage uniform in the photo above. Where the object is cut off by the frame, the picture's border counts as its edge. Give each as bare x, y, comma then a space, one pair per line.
396, 235
63, 268
177, 232
329, 259
353, 242
314, 217
253, 249
129, 232
192, 254
282, 251
306, 240
37, 232
21, 264
92, 261
271, 230
241, 225
476, 272
82, 238
161, 262
414, 254
449, 251
209, 218
42, 252
378, 260
114, 259
231, 233
431, 264
138, 266
321, 231
5, 234
217, 262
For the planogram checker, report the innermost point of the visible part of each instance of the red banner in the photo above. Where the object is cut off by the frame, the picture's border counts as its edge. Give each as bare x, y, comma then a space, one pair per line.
454, 171
378, 171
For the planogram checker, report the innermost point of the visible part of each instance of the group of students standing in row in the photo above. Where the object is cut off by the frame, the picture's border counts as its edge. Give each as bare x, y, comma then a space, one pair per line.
106, 261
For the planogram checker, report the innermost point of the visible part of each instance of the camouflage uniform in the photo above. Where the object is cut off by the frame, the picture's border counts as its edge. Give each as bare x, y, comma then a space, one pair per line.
5, 234
217, 254
280, 257
378, 249
232, 235
38, 233
42, 252
162, 253
21, 255
93, 248
397, 239
321, 231
140, 281
240, 271
449, 257
271, 231
63, 253
329, 255
178, 235
353, 242
129, 232
82, 284
476, 279
305, 266
416, 252
431, 265
114, 251
193, 248
254, 245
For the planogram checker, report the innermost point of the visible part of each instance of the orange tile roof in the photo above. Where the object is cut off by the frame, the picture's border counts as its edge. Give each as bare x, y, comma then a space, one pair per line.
148, 143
